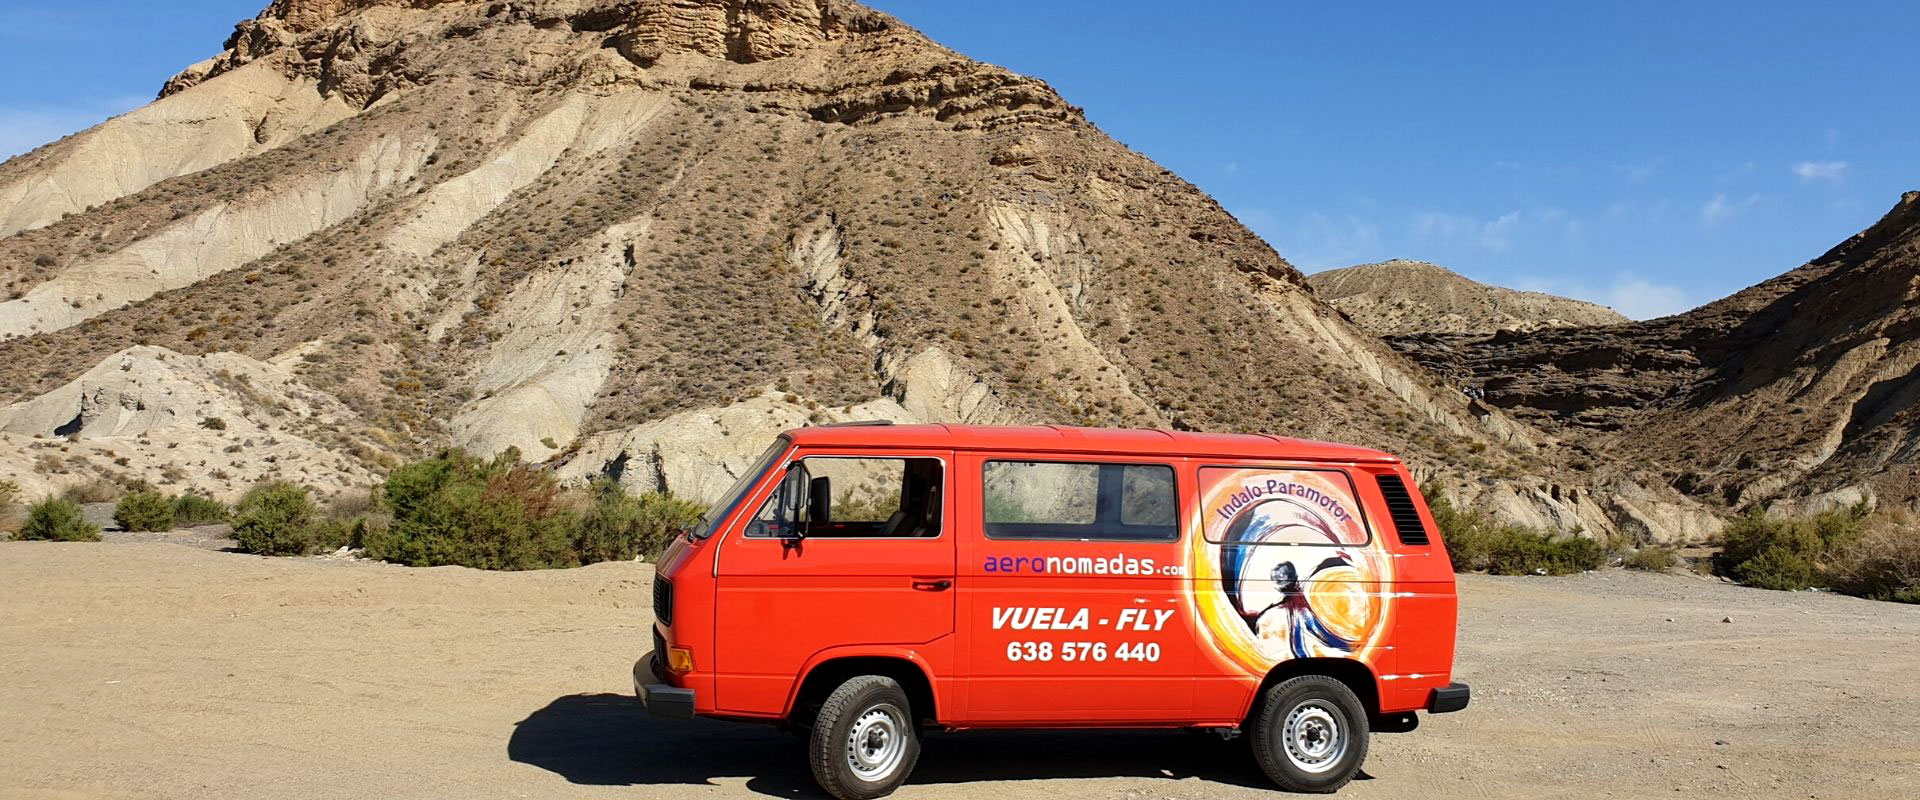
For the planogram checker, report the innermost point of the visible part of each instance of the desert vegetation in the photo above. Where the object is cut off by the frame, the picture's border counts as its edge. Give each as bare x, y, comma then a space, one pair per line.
1477, 543
456, 508
147, 509
191, 509
144, 510
9, 497
1848, 550
279, 518
57, 519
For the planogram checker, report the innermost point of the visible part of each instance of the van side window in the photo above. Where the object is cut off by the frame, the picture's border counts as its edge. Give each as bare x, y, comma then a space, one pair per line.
1062, 500
863, 498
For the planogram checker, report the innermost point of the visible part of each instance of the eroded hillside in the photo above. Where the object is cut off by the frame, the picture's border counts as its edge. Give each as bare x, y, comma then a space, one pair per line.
637, 238
1406, 297
1805, 388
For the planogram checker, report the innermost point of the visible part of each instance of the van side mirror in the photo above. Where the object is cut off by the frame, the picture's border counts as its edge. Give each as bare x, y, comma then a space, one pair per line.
792, 499
820, 501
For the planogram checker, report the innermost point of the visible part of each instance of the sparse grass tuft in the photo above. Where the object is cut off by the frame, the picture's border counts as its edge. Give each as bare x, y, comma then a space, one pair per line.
1652, 558
96, 490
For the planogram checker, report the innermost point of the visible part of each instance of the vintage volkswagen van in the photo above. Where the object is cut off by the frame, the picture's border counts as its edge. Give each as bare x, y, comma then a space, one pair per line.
863, 582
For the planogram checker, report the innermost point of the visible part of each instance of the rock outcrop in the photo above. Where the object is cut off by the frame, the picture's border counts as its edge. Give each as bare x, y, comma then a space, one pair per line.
214, 424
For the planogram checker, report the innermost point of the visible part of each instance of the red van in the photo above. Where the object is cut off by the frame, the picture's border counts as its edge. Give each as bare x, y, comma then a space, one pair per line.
863, 582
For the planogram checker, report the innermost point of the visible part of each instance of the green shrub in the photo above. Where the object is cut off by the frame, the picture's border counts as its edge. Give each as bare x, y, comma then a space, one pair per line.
458, 509
214, 424
278, 519
620, 527
1784, 568
190, 510
1787, 553
1477, 543
58, 520
144, 510
1650, 559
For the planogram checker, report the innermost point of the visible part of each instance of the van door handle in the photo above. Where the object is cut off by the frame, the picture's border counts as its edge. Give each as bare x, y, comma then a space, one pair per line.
926, 585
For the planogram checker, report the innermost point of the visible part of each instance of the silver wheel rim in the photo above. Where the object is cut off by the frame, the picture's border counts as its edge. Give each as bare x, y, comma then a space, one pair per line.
1314, 739
877, 742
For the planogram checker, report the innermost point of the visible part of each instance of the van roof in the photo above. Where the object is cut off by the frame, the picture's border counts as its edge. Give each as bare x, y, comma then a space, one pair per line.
1065, 439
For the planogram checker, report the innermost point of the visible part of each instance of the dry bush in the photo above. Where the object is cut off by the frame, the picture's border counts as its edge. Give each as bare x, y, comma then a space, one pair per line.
1885, 563
1652, 558
94, 490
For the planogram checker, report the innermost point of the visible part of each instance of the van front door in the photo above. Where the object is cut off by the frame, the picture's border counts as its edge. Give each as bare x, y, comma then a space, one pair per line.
849, 553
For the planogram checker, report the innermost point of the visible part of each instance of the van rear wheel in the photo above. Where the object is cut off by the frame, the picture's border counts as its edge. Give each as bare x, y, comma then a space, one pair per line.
864, 741
1310, 734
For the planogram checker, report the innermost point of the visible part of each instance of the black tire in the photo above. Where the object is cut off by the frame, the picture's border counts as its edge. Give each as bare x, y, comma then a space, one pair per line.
1328, 736
868, 720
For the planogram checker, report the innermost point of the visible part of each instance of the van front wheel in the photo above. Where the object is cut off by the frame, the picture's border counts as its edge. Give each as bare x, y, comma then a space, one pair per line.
1311, 734
864, 741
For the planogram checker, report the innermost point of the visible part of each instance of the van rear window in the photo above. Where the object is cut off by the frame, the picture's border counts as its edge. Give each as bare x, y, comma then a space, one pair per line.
1073, 501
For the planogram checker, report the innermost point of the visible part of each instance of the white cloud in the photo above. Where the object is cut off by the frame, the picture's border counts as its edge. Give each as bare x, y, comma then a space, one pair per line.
1640, 172
23, 128
1442, 225
1829, 171
1643, 299
1498, 234
1317, 241
1629, 294
1721, 208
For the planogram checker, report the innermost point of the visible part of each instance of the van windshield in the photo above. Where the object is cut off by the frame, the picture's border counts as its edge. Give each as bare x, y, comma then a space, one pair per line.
731, 500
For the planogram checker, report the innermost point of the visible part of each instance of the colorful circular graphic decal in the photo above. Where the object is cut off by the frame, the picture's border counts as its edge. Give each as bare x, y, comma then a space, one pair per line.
1284, 568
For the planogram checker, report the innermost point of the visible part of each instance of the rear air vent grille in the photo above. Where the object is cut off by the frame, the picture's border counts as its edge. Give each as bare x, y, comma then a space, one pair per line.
1406, 518
663, 600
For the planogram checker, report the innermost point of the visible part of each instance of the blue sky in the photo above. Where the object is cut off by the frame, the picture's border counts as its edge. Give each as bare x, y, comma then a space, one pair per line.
1650, 156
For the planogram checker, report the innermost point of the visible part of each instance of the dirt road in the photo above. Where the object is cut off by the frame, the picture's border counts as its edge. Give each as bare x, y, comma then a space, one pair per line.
160, 670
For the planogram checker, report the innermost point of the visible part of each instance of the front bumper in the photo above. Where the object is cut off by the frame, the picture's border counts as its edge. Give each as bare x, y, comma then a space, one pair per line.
660, 699
1452, 697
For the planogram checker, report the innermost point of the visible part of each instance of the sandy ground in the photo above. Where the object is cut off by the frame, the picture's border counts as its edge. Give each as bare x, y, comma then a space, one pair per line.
152, 669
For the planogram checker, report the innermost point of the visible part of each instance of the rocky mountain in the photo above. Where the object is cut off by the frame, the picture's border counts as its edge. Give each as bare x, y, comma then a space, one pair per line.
636, 238
1405, 297
1803, 390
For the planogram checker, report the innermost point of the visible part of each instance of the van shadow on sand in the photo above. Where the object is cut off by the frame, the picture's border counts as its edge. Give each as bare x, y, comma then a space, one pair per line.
611, 740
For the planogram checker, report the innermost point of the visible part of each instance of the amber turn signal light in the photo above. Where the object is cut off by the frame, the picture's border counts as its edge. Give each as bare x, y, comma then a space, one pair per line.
679, 659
